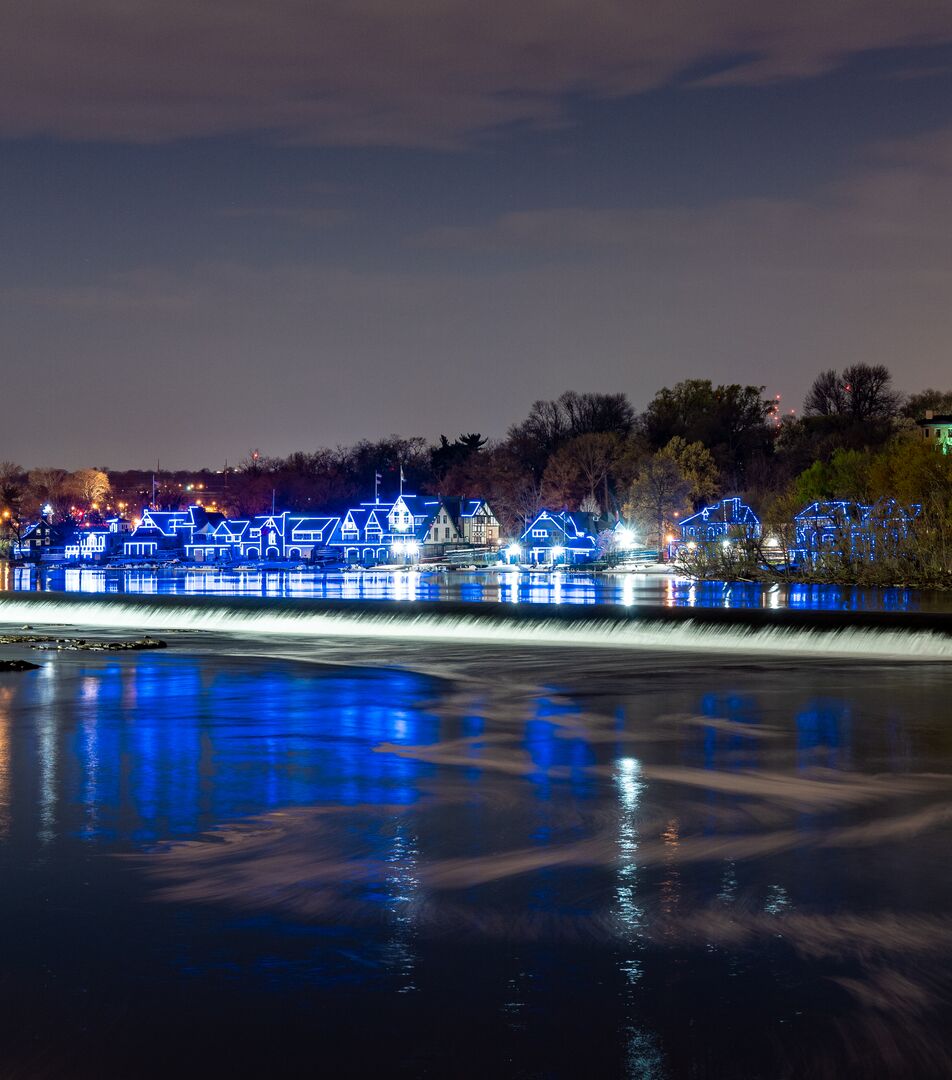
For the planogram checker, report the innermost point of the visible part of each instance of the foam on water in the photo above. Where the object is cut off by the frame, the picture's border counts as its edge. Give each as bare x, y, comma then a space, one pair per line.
634, 634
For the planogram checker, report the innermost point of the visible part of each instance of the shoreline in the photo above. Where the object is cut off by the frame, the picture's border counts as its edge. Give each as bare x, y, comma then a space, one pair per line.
941, 585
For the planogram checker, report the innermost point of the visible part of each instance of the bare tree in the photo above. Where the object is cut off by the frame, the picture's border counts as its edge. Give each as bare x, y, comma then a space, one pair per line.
660, 490
48, 485
931, 400
550, 424
862, 392
580, 468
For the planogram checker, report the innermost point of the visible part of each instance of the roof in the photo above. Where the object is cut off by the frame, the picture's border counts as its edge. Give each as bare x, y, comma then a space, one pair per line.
838, 509
574, 525
578, 522
166, 520
259, 521
358, 515
234, 527
730, 511
855, 513
319, 525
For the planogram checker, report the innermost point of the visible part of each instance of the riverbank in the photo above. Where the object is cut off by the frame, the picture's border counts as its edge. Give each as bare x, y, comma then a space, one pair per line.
864, 576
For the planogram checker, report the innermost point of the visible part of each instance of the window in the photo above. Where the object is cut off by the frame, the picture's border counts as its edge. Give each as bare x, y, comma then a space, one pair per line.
446, 533
540, 533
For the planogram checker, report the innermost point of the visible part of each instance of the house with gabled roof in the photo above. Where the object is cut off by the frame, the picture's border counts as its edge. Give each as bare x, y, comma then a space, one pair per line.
166, 533
43, 540
560, 536
451, 523
851, 530
310, 537
720, 520
350, 540
97, 543
443, 529
369, 534
727, 519
223, 544
159, 533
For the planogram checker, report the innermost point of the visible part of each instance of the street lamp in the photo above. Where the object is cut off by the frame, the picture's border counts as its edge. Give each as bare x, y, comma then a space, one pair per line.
409, 549
624, 538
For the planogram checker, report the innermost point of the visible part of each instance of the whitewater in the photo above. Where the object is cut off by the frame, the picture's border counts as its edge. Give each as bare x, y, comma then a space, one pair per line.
383, 622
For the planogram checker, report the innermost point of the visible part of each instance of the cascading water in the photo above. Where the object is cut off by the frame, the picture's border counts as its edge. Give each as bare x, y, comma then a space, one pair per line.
454, 627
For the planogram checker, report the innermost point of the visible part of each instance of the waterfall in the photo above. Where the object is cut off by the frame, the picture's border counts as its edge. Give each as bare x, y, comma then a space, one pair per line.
450, 625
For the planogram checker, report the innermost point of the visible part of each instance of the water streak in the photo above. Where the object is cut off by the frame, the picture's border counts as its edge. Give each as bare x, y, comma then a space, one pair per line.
632, 634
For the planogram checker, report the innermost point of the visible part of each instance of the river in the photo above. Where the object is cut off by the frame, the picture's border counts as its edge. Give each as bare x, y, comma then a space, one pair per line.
477, 840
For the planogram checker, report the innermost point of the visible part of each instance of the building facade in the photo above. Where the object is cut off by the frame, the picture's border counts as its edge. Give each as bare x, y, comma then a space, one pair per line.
937, 431
851, 531
558, 536
402, 530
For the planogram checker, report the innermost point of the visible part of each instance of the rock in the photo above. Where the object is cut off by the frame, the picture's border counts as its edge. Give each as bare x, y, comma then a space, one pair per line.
18, 665
63, 644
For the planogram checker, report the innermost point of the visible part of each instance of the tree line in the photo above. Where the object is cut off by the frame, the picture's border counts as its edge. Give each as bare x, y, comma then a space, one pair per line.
855, 437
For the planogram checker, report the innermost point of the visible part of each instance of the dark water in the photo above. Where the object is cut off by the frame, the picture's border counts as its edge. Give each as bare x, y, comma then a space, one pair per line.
292, 856
489, 586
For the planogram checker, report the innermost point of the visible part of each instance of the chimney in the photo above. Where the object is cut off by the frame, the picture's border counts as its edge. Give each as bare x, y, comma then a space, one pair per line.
929, 414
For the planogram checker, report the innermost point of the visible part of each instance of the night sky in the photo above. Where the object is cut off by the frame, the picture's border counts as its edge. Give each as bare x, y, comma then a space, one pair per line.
293, 223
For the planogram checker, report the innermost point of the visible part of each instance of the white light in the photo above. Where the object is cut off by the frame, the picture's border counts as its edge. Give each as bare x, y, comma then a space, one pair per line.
411, 547
513, 551
624, 537
725, 543
558, 551
47, 510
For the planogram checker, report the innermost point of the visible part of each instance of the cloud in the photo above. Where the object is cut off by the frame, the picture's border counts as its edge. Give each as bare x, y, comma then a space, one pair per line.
420, 73
490, 318
892, 213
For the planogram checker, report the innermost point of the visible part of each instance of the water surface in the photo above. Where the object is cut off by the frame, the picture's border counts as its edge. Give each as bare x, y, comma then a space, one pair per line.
503, 586
422, 857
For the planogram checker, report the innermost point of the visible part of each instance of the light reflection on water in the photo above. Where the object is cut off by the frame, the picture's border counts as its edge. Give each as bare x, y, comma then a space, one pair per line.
607, 865
490, 586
